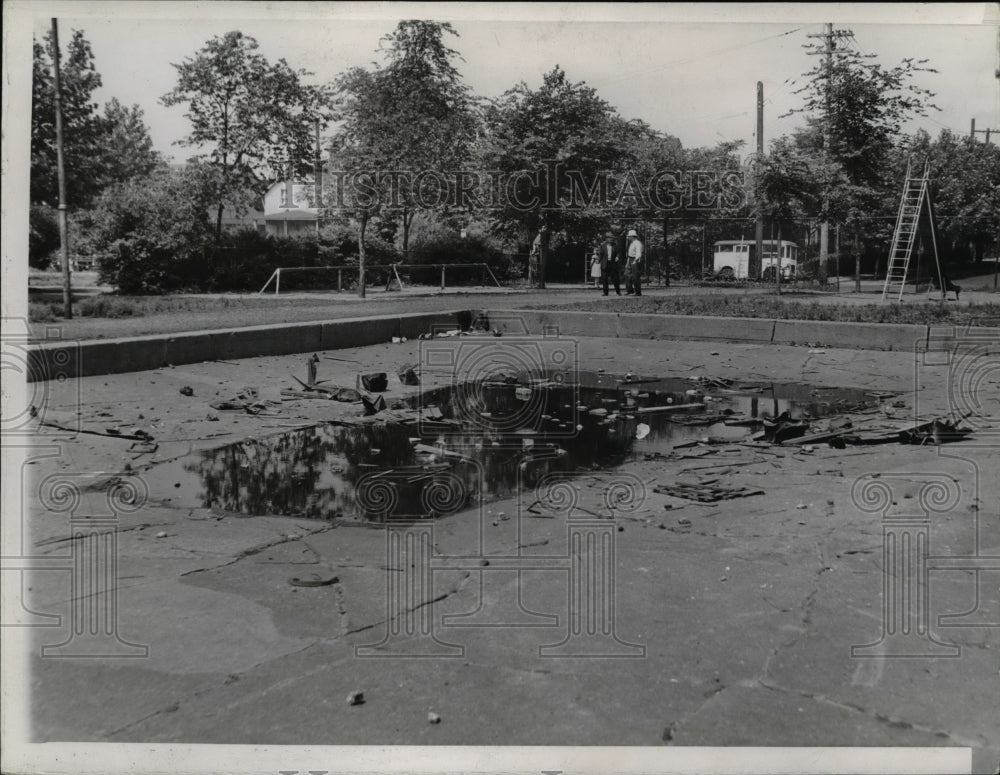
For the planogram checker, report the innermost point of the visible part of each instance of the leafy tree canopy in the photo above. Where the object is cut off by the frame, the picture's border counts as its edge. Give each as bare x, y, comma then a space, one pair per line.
412, 115
860, 105
556, 143
99, 149
255, 118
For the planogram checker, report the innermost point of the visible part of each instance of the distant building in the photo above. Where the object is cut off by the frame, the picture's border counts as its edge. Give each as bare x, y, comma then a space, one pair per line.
299, 217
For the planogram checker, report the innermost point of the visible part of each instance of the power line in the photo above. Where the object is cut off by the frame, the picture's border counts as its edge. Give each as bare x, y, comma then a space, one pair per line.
788, 84
698, 58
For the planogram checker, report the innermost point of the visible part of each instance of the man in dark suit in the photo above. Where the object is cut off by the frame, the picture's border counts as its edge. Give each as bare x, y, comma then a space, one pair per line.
610, 258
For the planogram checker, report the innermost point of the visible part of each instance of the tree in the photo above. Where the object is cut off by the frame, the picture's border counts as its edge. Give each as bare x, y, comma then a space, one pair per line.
257, 118
784, 188
360, 150
434, 122
83, 131
99, 150
713, 198
412, 116
555, 149
860, 105
151, 234
855, 109
43, 235
130, 148
966, 193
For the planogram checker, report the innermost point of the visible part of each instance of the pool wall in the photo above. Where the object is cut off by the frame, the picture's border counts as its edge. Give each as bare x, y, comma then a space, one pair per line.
61, 359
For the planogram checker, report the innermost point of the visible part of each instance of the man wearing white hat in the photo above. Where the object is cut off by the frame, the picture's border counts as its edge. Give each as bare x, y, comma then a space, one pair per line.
633, 267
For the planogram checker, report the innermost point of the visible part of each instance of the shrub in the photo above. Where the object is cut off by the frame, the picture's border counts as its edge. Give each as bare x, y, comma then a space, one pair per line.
152, 233
108, 307
43, 235
434, 242
44, 312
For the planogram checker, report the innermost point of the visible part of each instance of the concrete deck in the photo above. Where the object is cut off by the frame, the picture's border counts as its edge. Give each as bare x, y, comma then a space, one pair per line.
745, 613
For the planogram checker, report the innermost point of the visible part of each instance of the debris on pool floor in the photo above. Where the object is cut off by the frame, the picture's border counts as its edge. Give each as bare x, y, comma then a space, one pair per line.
446, 449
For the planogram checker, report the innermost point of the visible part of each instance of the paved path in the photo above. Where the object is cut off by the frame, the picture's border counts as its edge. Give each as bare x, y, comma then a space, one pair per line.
236, 310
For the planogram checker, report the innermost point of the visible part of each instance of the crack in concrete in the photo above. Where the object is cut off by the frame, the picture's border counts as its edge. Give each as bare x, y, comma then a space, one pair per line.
708, 697
893, 721
228, 680
66, 539
417, 607
806, 619
254, 550
444, 596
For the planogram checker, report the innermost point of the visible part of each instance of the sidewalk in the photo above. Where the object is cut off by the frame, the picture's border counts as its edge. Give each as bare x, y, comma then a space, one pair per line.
238, 310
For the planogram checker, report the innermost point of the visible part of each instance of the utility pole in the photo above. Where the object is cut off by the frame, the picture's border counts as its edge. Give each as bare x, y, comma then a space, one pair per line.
754, 268
824, 228
973, 132
63, 225
318, 171
828, 36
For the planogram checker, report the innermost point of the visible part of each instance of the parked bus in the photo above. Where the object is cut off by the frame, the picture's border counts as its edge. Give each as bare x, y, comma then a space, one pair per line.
732, 259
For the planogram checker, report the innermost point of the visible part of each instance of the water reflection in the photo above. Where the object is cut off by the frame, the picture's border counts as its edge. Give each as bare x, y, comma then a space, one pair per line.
484, 444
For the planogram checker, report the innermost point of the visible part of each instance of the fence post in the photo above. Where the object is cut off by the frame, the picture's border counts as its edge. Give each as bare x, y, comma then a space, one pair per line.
442, 276
277, 281
492, 275
340, 280
267, 283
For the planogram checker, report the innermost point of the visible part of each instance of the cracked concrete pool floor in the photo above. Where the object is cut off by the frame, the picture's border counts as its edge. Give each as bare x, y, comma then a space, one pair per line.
747, 610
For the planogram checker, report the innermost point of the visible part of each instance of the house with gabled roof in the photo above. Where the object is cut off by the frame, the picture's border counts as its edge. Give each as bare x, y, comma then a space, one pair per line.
290, 208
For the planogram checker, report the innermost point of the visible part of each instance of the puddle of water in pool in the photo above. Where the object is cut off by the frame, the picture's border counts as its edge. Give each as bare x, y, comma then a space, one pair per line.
331, 471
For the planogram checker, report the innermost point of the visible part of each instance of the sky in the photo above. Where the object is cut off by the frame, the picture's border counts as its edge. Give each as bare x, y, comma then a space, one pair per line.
690, 72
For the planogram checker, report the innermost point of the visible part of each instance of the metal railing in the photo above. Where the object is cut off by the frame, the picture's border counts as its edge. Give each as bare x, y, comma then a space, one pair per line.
393, 273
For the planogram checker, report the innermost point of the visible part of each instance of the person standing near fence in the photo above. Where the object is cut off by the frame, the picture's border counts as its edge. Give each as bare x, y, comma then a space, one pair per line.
610, 263
595, 266
633, 267
535, 258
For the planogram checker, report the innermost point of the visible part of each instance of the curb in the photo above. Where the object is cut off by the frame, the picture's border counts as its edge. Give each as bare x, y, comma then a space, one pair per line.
864, 336
67, 360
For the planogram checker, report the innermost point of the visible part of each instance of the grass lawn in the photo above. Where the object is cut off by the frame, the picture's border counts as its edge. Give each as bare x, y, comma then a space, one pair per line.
763, 306
99, 314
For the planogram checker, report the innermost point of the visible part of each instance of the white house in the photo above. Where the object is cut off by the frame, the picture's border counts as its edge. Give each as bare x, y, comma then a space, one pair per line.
290, 208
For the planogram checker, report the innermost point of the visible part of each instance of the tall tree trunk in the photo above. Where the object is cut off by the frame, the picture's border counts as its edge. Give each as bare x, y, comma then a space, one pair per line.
543, 258
225, 171
406, 220
666, 257
362, 227
857, 264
